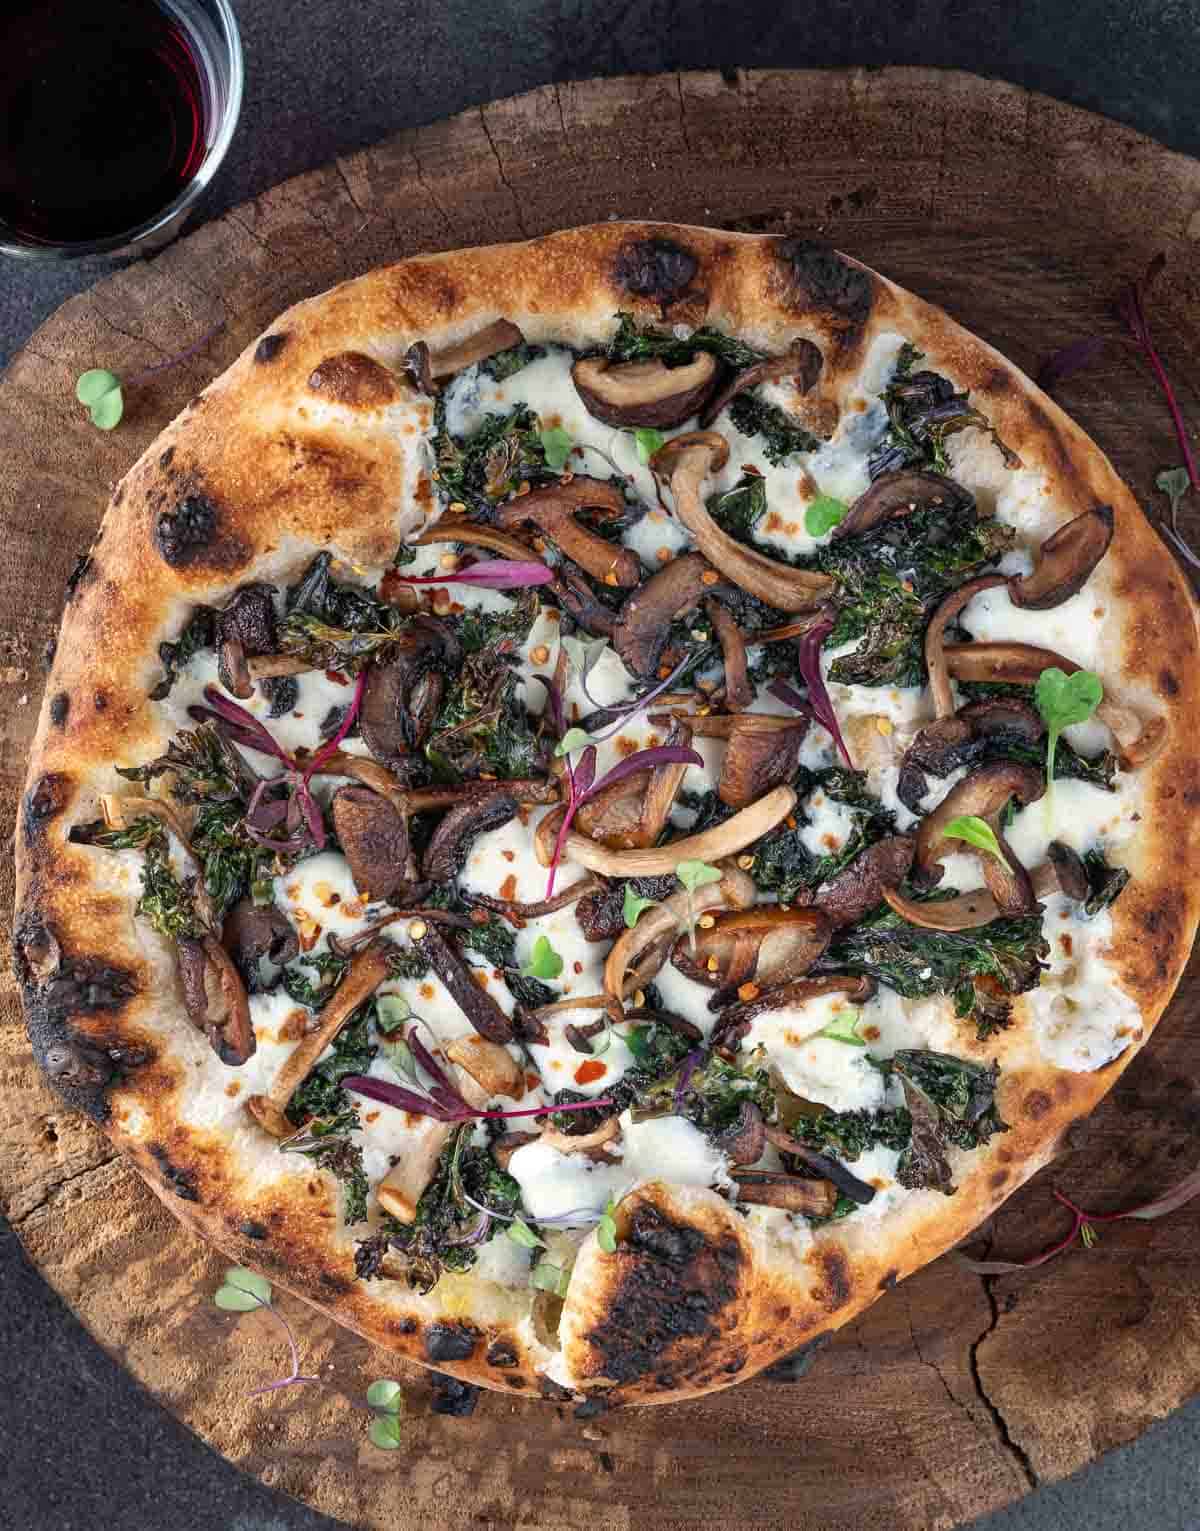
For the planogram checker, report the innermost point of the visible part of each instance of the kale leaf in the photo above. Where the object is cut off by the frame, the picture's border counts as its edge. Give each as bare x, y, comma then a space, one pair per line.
480, 630
506, 364
199, 633
482, 725
313, 992
481, 470
782, 435
630, 343
335, 626
848, 1135
740, 509
923, 409
785, 866
952, 1103
981, 968
329, 1147
713, 1096
1106, 882
203, 766
234, 865
165, 902
658, 1050
321, 1093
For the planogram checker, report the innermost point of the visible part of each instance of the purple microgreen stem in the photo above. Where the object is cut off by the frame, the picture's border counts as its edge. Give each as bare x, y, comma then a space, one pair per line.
488, 574
819, 703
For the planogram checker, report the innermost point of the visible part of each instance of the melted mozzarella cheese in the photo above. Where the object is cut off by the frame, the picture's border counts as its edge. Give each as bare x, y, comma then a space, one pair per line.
1081, 1017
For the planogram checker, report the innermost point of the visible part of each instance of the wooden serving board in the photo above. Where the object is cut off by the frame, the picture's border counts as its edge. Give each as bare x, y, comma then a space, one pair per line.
953, 1395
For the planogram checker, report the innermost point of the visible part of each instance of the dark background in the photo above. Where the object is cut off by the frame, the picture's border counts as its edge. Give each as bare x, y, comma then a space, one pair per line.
81, 1446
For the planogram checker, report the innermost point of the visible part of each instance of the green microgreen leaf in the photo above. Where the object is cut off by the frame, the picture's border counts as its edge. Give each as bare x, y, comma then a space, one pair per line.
521, 1233
385, 1431
606, 1229
697, 874
573, 739
1174, 483
977, 832
386, 1395
100, 394
242, 1291
393, 1010
550, 1278
648, 442
824, 514
634, 906
1064, 699
844, 1028
556, 445
544, 961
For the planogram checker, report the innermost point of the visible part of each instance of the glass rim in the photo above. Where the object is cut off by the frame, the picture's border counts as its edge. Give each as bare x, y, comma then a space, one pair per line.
185, 199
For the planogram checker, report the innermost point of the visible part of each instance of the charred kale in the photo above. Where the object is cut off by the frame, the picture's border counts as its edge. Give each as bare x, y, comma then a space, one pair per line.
321, 1095
313, 992
785, 866
199, 633
923, 409
1106, 882
781, 435
482, 725
952, 1103
739, 510
630, 343
481, 470
506, 364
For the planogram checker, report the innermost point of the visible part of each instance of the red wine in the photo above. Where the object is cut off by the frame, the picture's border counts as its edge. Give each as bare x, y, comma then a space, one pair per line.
102, 115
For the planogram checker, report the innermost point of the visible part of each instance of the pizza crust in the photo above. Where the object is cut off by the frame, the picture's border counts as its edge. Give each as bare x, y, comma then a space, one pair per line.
305, 443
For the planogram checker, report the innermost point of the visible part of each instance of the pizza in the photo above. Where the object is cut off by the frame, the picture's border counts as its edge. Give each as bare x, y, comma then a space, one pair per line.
602, 801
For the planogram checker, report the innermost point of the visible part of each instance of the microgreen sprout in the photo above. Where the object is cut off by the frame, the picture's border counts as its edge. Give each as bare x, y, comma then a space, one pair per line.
648, 442
242, 1291
606, 1229
102, 392
385, 1399
550, 1278
977, 832
824, 514
635, 906
1064, 699
557, 447
844, 1028
544, 961
694, 875
488, 574
521, 1233
1175, 483
573, 739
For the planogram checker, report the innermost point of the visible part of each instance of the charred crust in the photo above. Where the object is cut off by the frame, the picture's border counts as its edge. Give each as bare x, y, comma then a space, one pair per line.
1035, 1105
998, 1179
49, 651
166, 458
554, 1391
502, 1353
889, 1280
452, 1396
792, 1367
1168, 683
405, 1326
354, 379
80, 575
252, 1230
675, 1286
99, 701
591, 1408
835, 1268
517, 1381
181, 1181
450, 1342
269, 347
185, 533
60, 706
654, 268
44, 801
813, 276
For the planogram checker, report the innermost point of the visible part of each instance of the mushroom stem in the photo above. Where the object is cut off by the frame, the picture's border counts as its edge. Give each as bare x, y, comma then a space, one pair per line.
492, 1067
500, 335
267, 666
935, 639
711, 845
364, 975
801, 361
790, 1193
553, 507
456, 529
687, 461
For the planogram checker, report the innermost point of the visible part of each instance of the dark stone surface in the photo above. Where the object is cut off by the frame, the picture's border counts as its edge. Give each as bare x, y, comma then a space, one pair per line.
324, 77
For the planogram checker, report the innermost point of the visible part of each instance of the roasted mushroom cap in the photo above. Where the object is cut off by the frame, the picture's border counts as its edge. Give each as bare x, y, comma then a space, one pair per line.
216, 999
633, 811
899, 493
261, 940
745, 1138
643, 625
1062, 872
801, 361
761, 755
1065, 561
963, 740
475, 1003
739, 691
552, 508
644, 393
246, 628
576, 597
374, 838
686, 461
450, 844
401, 698
600, 913
766, 945
983, 794
858, 888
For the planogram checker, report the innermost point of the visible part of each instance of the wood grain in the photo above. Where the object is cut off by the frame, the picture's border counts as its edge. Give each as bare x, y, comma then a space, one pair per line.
952, 1396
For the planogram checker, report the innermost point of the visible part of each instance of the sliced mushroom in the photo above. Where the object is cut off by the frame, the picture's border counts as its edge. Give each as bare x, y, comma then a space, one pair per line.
739, 692
687, 461
583, 1142
761, 755
766, 944
258, 935
436, 366
859, 887
822, 1165
475, 1003
963, 740
1062, 872
656, 929
644, 393
801, 361
1138, 739
643, 626
983, 794
447, 851
745, 1138
492, 1067
272, 666
711, 845
401, 698
459, 529
1065, 561
633, 812
374, 838
400, 1191
366, 972
899, 493
552, 508
571, 590
216, 998
790, 1193
600, 913
734, 1022
246, 627
935, 638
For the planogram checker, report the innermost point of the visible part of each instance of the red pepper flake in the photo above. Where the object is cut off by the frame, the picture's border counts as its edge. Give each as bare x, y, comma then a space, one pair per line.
532, 1081
578, 966
589, 1072
337, 678
508, 888
509, 855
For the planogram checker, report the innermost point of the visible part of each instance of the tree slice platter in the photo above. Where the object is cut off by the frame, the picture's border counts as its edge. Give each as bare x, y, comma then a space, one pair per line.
953, 1395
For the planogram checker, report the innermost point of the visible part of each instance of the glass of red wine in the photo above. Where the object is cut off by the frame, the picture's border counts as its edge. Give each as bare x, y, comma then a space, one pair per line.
114, 117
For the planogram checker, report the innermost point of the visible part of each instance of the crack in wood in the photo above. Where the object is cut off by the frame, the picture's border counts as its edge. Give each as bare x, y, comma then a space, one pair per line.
520, 217
53, 1191
141, 340
430, 193
683, 127
1016, 1450
562, 121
